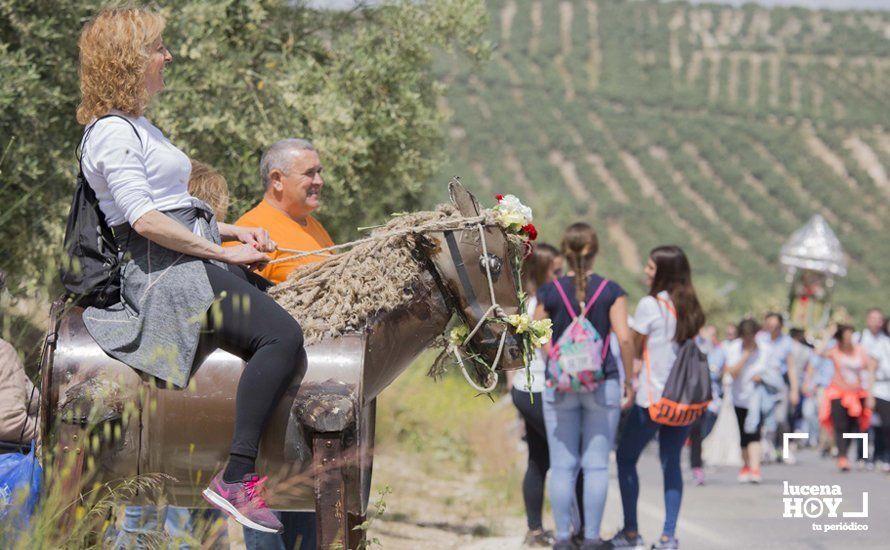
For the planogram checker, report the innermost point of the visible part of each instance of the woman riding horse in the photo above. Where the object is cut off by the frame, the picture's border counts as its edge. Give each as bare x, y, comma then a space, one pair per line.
180, 290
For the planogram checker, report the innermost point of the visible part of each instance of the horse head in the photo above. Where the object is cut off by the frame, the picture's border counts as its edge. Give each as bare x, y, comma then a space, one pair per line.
477, 266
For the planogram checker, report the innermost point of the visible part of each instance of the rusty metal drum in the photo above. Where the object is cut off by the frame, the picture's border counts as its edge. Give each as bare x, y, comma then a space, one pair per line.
186, 433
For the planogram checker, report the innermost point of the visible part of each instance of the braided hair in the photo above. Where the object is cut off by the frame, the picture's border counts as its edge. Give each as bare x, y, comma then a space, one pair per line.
579, 247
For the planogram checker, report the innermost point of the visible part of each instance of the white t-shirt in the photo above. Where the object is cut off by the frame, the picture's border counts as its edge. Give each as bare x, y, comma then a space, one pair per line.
851, 368
536, 367
878, 347
654, 319
742, 385
131, 178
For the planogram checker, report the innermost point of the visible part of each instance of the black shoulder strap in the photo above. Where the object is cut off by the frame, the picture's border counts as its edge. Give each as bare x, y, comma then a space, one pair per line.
79, 151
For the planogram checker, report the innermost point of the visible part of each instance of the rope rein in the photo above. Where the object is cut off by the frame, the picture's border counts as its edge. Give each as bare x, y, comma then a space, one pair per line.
441, 225
425, 228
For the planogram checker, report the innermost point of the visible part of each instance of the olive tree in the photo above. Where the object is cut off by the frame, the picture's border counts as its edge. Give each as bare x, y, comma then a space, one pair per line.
246, 73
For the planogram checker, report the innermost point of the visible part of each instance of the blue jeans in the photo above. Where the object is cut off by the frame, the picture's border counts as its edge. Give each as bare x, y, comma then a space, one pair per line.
142, 525
638, 431
580, 433
297, 526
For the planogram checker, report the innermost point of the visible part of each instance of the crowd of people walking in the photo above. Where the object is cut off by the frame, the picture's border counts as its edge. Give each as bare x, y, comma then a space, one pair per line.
770, 381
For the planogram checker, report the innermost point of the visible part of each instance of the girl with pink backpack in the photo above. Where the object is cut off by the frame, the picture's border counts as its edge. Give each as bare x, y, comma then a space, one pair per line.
582, 394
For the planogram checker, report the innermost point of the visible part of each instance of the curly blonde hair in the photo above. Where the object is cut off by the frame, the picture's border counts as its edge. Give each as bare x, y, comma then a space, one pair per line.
114, 51
208, 185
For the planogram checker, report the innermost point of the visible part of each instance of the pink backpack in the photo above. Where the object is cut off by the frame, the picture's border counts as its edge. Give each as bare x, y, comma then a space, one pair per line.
576, 360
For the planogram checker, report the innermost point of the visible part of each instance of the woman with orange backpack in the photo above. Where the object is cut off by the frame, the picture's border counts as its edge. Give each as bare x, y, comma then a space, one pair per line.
582, 393
665, 324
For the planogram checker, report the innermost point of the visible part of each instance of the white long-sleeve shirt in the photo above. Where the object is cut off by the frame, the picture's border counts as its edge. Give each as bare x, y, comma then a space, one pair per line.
537, 367
131, 178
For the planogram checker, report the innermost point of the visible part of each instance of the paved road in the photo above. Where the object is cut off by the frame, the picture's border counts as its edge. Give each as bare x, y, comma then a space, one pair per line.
719, 515
724, 514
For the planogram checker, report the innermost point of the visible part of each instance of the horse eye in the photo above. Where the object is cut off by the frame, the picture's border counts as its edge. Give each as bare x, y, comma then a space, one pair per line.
494, 263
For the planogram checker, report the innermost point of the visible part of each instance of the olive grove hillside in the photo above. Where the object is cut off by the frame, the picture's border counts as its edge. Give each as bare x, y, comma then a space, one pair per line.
716, 128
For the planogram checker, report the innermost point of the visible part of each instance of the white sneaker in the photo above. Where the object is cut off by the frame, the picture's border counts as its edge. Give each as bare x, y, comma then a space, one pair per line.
622, 541
755, 476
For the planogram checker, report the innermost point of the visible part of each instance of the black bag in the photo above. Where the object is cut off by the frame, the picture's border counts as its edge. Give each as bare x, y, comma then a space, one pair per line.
687, 390
91, 270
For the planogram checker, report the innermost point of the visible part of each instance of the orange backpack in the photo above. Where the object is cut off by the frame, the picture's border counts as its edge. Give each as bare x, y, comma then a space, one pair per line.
687, 391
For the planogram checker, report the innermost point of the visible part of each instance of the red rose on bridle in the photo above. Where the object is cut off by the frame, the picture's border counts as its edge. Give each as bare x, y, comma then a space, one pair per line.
531, 231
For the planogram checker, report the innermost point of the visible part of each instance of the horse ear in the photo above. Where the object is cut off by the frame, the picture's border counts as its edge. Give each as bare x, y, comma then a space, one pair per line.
465, 202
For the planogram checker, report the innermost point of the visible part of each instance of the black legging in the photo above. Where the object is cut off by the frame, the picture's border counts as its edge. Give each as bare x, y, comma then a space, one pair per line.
882, 407
745, 438
696, 436
246, 322
842, 423
538, 458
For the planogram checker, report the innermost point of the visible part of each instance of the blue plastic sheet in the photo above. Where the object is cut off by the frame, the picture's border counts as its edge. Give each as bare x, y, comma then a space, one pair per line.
20, 479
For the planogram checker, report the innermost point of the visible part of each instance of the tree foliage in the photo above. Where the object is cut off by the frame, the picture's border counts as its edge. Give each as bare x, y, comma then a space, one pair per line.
246, 73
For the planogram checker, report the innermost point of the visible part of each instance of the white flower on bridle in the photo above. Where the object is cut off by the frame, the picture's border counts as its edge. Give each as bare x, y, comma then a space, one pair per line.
511, 214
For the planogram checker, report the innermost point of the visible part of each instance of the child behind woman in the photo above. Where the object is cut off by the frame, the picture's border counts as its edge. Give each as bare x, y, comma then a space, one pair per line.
541, 267
581, 421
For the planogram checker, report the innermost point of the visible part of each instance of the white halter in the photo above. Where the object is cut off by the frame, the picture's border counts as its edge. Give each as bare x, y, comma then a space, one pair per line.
499, 314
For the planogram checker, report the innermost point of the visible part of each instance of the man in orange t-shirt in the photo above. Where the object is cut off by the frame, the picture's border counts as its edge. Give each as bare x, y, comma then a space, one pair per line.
291, 174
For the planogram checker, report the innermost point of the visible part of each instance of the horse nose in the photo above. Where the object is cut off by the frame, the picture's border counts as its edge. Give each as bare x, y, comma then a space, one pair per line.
511, 355
511, 358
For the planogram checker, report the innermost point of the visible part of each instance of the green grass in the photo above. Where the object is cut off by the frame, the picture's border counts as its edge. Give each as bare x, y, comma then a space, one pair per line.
452, 433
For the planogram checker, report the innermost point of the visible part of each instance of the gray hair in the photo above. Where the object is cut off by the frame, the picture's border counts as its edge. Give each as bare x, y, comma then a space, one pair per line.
279, 155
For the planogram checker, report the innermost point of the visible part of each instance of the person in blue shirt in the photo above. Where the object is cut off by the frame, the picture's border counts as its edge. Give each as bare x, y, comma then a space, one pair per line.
777, 347
822, 371
708, 342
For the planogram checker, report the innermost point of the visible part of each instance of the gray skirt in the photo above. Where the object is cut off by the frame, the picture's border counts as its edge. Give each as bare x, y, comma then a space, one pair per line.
165, 296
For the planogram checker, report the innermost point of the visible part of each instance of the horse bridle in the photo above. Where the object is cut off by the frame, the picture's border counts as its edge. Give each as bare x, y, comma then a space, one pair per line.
475, 306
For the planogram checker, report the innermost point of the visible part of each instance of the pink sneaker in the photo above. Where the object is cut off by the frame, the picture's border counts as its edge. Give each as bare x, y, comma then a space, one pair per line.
243, 501
698, 476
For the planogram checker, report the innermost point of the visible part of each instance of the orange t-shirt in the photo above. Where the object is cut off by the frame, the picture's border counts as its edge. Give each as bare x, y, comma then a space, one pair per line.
288, 234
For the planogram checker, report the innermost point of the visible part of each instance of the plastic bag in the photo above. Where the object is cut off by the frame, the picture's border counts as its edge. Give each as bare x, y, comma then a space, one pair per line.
20, 479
